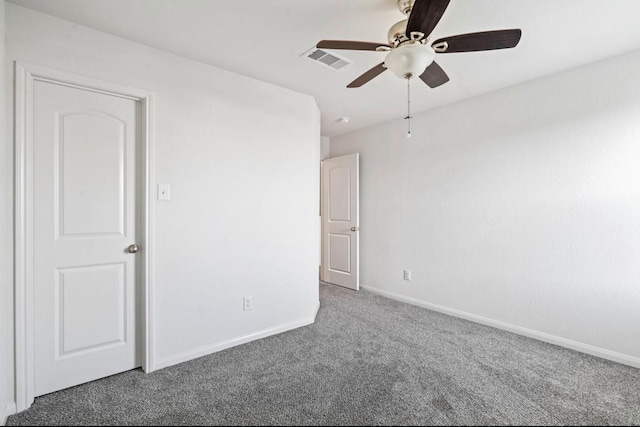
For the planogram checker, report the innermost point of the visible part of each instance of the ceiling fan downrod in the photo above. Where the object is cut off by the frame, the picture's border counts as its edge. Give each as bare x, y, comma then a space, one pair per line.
405, 6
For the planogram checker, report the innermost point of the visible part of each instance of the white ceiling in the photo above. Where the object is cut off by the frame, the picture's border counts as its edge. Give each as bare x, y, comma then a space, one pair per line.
264, 39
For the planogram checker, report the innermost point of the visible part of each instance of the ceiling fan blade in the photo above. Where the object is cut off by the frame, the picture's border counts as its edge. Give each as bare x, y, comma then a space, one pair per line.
425, 15
434, 76
350, 45
486, 40
369, 75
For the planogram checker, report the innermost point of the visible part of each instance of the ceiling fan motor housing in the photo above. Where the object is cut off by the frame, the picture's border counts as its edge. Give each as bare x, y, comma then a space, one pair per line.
409, 60
396, 34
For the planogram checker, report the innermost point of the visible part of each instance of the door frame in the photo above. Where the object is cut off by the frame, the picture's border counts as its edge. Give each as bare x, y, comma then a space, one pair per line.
324, 262
25, 77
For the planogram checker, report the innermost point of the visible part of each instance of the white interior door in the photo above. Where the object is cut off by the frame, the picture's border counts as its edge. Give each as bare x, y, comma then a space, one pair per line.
340, 220
85, 147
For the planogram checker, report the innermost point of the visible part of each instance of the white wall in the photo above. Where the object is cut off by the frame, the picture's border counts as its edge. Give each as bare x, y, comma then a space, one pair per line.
518, 208
7, 397
325, 146
241, 157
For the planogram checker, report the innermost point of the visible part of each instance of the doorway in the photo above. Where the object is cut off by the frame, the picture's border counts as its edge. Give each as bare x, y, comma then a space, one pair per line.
82, 220
340, 221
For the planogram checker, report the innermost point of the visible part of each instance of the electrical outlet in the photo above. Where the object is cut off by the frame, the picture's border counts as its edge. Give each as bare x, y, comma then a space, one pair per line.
248, 303
407, 275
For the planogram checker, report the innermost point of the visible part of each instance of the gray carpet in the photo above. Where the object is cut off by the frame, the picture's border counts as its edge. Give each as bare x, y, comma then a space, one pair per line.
366, 360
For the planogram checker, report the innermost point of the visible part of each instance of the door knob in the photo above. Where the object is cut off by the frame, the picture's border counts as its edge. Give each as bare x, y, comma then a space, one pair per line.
354, 229
133, 248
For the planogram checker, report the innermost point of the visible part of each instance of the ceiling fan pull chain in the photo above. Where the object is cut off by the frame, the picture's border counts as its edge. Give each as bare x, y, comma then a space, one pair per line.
409, 107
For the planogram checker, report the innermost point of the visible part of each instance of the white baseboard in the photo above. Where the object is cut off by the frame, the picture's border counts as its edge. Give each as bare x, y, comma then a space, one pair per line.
209, 349
541, 336
8, 410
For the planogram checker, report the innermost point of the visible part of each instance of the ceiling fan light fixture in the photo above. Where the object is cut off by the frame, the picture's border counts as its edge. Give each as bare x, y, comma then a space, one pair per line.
409, 61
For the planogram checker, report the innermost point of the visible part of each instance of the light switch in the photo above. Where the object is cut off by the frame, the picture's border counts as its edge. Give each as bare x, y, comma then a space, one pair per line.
163, 192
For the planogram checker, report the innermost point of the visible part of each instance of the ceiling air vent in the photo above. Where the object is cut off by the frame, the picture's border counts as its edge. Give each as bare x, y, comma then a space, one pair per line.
327, 59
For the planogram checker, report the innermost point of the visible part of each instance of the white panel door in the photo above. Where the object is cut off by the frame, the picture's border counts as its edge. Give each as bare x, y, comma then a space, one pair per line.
84, 220
340, 219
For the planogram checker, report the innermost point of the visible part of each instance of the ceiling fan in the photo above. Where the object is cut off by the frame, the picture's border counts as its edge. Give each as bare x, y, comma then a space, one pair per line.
410, 51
